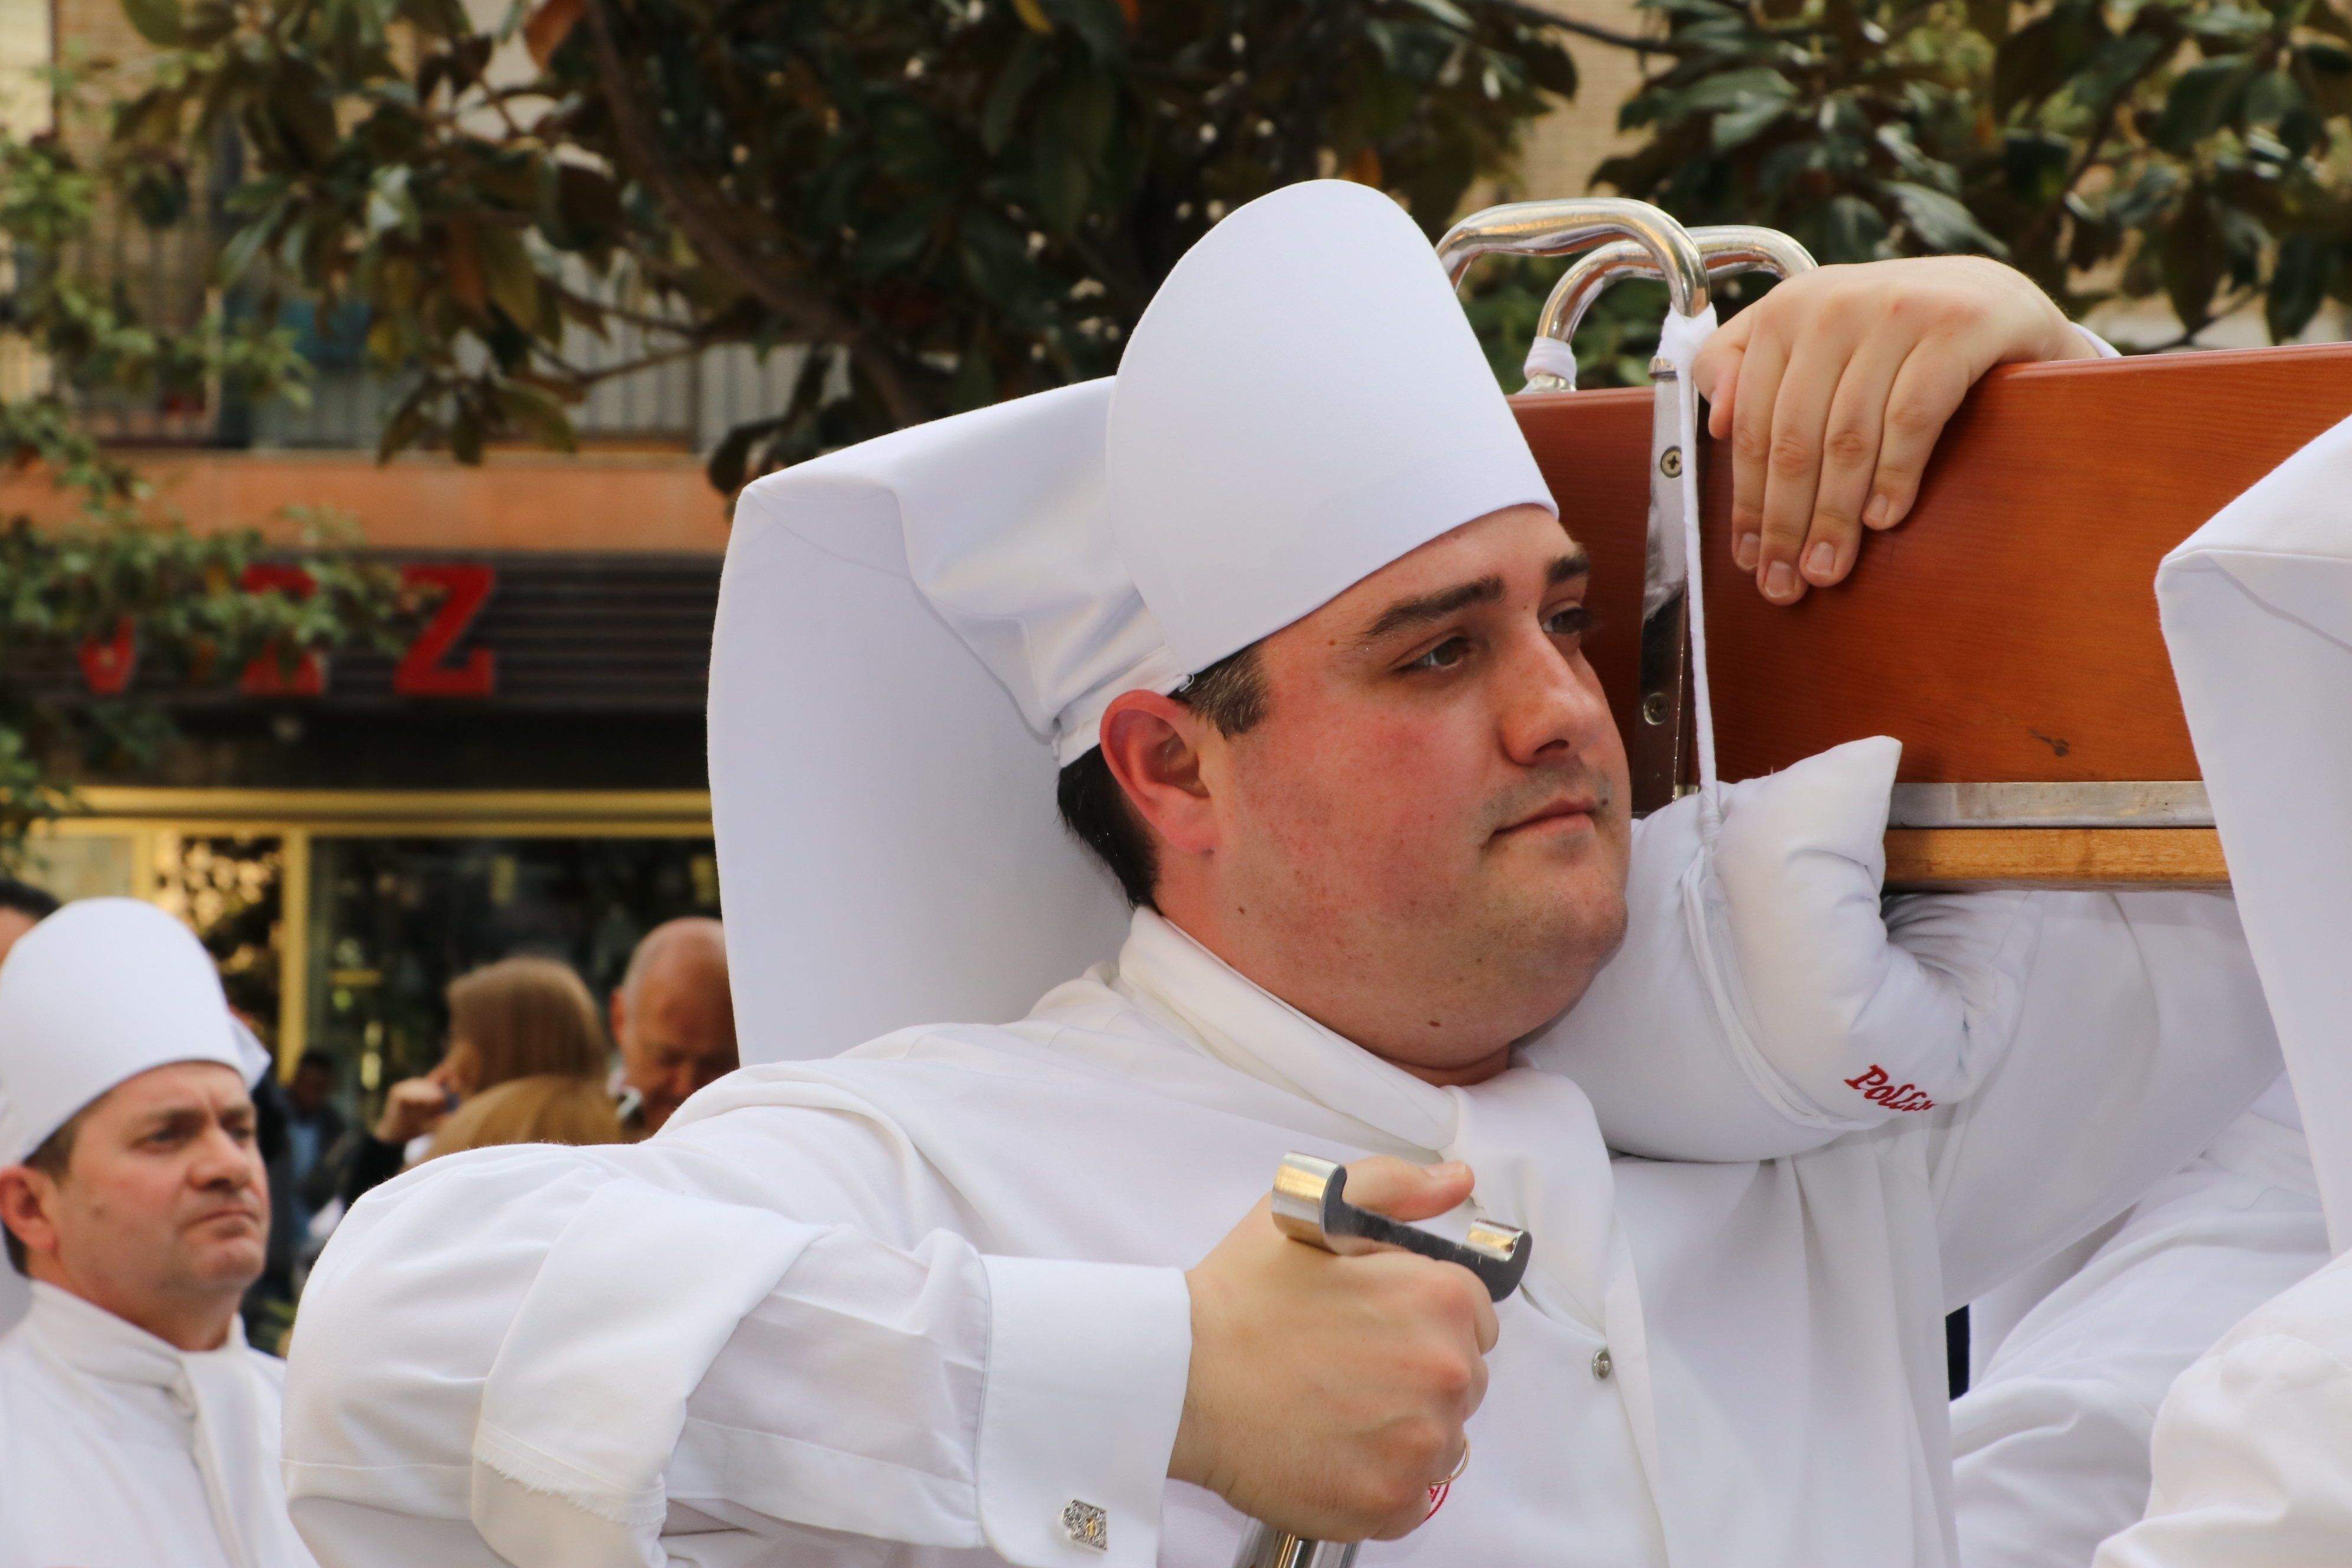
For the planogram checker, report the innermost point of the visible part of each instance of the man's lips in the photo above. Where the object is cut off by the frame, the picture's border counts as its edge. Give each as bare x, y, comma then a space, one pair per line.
1558, 810
235, 1211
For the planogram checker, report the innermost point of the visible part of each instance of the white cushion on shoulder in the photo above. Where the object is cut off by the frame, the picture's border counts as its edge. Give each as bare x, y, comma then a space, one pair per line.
1765, 1001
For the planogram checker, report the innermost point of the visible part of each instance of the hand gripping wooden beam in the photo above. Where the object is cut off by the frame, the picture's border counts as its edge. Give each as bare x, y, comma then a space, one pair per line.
2006, 633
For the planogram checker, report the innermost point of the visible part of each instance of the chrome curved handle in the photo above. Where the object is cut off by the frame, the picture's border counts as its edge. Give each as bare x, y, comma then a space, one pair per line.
1726, 249
1557, 228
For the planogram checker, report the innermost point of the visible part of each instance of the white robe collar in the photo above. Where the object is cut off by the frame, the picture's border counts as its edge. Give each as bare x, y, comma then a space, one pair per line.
1248, 1028
1528, 1136
232, 1410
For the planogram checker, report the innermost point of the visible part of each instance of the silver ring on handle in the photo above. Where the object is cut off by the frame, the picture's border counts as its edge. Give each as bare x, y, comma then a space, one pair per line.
1726, 249
1557, 227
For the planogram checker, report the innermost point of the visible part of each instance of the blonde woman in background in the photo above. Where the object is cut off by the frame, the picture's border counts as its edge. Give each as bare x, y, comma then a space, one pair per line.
520, 1018
546, 1108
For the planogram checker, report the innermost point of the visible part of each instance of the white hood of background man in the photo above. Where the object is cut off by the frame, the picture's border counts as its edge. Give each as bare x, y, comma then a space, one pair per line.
1303, 404
116, 1445
100, 992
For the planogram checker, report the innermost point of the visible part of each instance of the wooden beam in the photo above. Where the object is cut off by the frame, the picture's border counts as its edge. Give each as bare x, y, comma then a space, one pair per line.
1938, 859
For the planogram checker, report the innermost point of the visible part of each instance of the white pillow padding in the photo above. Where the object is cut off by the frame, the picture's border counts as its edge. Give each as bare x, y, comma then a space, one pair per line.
1766, 1001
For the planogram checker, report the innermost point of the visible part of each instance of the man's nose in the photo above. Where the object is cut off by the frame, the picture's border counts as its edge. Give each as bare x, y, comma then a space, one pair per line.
222, 1160
1551, 704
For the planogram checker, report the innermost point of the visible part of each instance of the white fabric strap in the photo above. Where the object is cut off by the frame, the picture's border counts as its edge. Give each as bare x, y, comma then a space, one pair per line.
235, 1452
1550, 356
1679, 340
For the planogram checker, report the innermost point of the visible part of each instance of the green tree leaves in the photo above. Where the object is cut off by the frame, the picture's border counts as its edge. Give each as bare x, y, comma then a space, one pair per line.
120, 573
2196, 149
954, 202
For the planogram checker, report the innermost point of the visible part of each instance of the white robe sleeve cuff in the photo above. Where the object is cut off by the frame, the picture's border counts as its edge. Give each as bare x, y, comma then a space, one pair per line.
583, 1406
1087, 1368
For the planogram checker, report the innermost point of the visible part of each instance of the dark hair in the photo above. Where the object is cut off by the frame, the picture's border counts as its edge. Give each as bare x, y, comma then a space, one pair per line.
27, 899
315, 1057
50, 1159
1230, 694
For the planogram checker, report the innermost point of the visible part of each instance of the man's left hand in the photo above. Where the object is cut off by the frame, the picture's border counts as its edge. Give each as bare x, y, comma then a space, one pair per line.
1833, 388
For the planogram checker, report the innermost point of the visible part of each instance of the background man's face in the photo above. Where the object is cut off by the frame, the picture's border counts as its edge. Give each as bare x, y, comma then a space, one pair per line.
13, 923
312, 1085
1430, 821
164, 1195
675, 1028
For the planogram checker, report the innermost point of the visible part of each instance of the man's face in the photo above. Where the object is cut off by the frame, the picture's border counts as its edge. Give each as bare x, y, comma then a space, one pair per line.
1426, 836
312, 1086
164, 1198
676, 1030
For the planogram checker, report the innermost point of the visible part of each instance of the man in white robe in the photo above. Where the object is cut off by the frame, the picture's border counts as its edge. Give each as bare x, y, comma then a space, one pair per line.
137, 1427
1399, 849
2050, 1445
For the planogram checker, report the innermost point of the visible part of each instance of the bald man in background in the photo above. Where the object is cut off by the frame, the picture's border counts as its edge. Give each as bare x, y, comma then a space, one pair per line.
673, 1020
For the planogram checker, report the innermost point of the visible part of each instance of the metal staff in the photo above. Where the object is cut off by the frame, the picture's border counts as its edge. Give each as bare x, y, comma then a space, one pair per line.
1309, 1206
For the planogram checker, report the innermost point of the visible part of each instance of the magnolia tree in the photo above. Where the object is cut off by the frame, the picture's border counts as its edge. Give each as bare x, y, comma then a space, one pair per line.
954, 201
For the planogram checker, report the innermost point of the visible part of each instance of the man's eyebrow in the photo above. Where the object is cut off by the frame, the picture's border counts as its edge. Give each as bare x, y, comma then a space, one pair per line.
1575, 563
1408, 613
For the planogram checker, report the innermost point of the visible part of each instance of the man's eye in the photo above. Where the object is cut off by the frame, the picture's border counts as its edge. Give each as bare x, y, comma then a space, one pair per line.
1571, 620
1445, 656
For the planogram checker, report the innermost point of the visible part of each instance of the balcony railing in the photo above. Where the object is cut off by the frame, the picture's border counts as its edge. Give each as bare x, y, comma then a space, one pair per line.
166, 279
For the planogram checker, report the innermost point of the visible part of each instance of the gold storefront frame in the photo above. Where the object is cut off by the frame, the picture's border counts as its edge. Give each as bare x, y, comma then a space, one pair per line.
155, 818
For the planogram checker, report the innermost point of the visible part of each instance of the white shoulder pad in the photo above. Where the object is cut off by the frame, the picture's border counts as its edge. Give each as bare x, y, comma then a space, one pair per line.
1763, 1003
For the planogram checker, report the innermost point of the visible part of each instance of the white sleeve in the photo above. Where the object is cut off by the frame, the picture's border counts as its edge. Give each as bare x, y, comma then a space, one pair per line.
560, 1348
2141, 1033
2045, 1467
2251, 1463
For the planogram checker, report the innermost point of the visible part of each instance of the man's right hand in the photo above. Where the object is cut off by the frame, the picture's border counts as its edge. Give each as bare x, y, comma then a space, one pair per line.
1327, 1394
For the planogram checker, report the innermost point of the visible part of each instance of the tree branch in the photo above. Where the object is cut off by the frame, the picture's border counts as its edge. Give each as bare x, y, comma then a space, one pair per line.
1537, 16
696, 212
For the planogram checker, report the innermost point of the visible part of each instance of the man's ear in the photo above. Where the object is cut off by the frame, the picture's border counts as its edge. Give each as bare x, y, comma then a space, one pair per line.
617, 1013
1151, 745
25, 1195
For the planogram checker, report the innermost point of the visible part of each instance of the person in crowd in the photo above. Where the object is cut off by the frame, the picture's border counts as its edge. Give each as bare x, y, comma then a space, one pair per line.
2050, 1445
137, 1427
545, 1107
314, 1127
673, 1021
520, 1018
22, 906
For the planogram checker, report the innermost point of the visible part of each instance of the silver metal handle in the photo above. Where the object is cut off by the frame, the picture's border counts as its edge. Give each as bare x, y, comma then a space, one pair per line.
1557, 227
1266, 1547
1726, 249
1310, 1205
